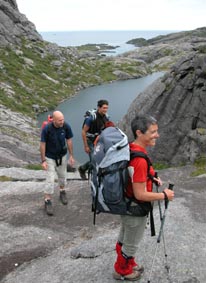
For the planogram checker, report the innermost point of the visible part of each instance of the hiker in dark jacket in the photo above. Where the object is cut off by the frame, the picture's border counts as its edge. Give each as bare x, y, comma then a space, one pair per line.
56, 140
90, 130
145, 131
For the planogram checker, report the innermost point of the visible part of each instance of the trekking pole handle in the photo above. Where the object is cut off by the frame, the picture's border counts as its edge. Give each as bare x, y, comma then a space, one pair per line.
164, 216
170, 187
156, 183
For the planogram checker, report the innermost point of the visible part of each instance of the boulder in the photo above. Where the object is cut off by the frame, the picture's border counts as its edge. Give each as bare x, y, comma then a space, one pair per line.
177, 101
19, 139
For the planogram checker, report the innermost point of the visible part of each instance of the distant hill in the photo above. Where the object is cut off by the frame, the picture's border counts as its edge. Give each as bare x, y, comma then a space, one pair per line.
184, 36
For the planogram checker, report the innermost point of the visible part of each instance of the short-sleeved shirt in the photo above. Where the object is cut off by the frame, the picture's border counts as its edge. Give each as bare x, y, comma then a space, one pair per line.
55, 139
88, 121
138, 171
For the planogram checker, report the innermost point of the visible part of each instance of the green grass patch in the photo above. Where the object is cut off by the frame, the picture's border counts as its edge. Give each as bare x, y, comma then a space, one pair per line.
33, 167
161, 166
200, 166
5, 179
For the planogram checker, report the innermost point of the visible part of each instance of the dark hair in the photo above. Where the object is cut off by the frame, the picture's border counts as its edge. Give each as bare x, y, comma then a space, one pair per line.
142, 123
101, 102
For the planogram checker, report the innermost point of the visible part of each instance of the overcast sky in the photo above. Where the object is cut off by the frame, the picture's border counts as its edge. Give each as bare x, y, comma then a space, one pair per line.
71, 15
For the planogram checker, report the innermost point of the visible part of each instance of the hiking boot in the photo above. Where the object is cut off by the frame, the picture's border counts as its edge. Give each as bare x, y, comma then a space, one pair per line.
134, 276
70, 168
63, 197
136, 266
48, 207
82, 173
124, 270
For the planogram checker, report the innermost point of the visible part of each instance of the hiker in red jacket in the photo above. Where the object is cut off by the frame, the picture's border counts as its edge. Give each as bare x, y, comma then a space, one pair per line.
145, 131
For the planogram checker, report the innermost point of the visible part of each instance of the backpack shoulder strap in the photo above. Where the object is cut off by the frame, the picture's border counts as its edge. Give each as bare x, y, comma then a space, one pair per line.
49, 127
134, 154
141, 154
90, 114
65, 127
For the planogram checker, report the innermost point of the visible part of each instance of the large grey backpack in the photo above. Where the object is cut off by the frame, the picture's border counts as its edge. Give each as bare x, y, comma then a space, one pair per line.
109, 172
109, 175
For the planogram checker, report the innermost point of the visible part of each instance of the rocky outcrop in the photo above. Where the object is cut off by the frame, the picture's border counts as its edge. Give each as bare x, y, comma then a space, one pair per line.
164, 51
158, 54
178, 101
14, 26
19, 139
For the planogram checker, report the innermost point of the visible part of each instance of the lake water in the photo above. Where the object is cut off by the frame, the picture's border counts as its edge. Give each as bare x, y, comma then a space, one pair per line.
114, 38
120, 95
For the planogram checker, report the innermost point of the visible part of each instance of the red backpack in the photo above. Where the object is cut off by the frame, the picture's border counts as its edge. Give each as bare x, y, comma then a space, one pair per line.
49, 119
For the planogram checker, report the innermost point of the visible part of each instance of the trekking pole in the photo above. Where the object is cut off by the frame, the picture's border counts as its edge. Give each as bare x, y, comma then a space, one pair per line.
161, 217
161, 232
164, 215
95, 206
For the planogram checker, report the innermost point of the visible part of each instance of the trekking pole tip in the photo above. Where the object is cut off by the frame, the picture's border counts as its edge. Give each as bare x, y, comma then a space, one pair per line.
167, 267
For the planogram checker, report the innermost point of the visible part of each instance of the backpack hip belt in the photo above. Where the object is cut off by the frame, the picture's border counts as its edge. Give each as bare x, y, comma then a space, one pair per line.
91, 137
138, 208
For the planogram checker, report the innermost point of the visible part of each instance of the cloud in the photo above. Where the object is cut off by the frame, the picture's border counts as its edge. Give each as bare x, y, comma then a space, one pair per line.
53, 15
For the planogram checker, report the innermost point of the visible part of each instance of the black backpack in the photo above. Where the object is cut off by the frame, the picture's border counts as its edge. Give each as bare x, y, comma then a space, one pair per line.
91, 113
97, 125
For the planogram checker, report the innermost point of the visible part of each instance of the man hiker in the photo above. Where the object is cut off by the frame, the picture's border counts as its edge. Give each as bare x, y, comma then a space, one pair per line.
56, 140
145, 131
91, 128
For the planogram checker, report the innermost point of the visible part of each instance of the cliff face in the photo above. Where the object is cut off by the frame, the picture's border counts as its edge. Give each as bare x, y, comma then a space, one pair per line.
178, 101
19, 139
14, 25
